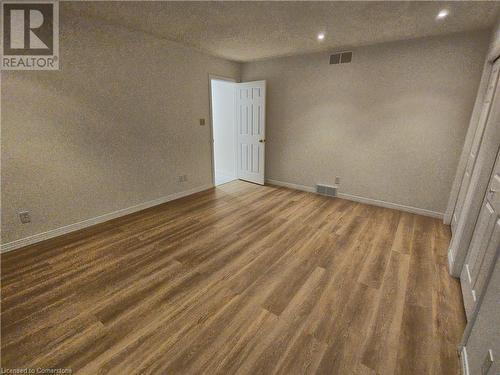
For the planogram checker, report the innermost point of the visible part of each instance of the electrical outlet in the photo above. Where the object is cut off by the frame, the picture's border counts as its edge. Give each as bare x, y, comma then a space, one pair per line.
24, 216
337, 180
202, 122
182, 178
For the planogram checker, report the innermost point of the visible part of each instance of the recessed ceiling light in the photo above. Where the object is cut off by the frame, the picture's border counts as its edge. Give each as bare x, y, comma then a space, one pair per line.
321, 36
442, 14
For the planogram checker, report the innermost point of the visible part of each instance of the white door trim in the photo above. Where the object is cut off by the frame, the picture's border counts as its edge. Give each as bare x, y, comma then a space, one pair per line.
211, 120
464, 361
493, 55
483, 167
473, 124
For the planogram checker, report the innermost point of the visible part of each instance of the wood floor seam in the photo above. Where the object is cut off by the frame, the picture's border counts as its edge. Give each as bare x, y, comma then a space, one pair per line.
240, 279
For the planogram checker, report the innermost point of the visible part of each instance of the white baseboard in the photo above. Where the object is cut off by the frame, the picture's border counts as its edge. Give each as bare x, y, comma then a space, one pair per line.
309, 189
142, 206
396, 206
356, 198
97, 220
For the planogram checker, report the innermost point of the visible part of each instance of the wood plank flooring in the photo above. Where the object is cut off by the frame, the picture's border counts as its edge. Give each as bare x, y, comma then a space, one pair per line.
239, 279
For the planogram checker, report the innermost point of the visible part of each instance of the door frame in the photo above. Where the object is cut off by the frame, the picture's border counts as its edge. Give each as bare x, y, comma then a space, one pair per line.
485, 160
216, 77
467, 284
464, 157
493, 55
474, 314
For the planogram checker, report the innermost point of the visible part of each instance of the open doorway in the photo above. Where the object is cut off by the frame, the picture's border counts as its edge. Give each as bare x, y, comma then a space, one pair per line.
238, 118
223, 130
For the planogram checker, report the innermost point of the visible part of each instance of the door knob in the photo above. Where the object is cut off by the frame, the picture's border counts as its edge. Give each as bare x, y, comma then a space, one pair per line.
262, 140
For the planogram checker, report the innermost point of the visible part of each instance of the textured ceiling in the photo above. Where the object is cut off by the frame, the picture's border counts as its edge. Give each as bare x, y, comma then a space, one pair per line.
246, 30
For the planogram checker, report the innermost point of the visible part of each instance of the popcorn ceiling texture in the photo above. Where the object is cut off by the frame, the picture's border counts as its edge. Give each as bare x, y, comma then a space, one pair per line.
248, 30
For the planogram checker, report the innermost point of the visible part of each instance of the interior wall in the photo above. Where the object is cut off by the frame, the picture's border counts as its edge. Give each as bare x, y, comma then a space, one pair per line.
391, 124
113, 128
494, 49
223, 107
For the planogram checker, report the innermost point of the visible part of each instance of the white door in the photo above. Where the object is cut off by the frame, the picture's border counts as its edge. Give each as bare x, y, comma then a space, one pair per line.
484, 244
251, 130
476, 143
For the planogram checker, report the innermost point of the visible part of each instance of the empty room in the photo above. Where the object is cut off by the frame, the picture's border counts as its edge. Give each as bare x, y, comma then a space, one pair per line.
250, 187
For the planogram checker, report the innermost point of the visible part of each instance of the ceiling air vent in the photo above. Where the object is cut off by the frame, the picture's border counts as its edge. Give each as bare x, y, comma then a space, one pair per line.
341, 58
328, 190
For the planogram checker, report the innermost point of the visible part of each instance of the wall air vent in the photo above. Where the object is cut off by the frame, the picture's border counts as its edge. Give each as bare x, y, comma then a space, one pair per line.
328, 190
341, 58
335, 58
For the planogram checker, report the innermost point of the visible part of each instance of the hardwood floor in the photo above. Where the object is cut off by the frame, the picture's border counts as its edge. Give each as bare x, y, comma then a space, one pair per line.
240, 279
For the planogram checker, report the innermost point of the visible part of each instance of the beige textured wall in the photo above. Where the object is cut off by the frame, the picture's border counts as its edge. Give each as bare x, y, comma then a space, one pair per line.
113, 128
391, 124
495, 42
